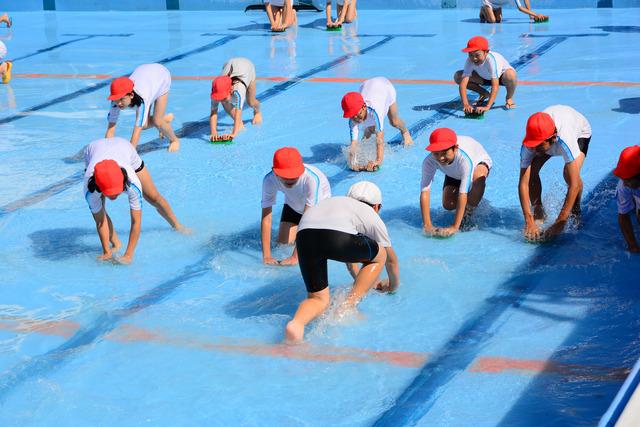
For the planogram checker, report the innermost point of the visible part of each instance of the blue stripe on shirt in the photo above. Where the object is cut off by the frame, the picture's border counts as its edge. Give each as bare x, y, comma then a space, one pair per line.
141, 111
317, 178
495, 66
466, 156
566, 148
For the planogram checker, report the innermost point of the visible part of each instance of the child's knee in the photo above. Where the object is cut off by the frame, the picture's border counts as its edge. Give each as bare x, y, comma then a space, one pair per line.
457, 76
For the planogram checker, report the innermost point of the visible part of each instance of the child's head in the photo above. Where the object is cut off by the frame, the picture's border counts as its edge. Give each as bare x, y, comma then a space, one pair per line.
121, 92
541, 132
478, 49
443, 144
354, 107
221, 88
628, 168
288, 166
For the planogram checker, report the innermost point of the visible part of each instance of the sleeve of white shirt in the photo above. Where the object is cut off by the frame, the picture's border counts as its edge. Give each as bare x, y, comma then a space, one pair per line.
134, 158
135, 195
269, 191
381, 235
569, 152
94, 200
353, 130
624, 197
467, 176
492, 65
114, 113
428, 172
312, 190
526, 157
236, 100
468, 68
142, 115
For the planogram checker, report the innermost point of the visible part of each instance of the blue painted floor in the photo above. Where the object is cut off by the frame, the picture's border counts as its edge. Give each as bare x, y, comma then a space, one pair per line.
486, 329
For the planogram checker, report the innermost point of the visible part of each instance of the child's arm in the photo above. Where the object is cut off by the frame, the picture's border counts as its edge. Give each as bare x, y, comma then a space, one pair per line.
269, 10
463, 95
425, 209
111, 130
237, 121
102, 227
626, 227
135, 135
343, 13
379, 148
575, 187
531, 230
527, 10
134, 236
328, 12
495, 87
265, 236
213, 122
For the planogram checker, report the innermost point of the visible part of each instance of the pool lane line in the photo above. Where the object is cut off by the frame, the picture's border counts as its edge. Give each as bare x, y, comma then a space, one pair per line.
341, 80
108, 321
464, 347
421, 125
185, 131
97, 86
127, 333
68, 42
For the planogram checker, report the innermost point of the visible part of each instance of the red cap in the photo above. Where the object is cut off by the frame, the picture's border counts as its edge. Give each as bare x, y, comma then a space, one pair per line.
540, 126
476, 43
220, 88
351, 104
629, 163
109, 177
120, 87
287, 163
442, 139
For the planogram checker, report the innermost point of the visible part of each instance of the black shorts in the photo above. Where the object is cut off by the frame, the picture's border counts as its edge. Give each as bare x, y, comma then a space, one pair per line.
316, 246
486, 82
583, 143
289, 215
456, 182
141, 167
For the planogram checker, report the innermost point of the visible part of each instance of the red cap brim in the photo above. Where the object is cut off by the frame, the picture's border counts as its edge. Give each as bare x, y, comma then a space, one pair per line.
289, 173
117, 96
439, 146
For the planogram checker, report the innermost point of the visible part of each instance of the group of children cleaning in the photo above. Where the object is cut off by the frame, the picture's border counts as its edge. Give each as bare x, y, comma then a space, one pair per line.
348, 228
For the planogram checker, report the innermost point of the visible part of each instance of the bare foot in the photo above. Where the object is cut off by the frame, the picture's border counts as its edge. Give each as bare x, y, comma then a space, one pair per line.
174, 146
182, 229
257, 118
406, 138
294, 332
509, 104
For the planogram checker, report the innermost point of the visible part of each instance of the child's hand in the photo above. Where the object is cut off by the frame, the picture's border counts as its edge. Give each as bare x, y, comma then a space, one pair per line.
372, 166
289, 261
467, 108
105, 257
480, 110
429, 230
445, 232
270, 261
540, 17
532, 233
213, 137
125, 259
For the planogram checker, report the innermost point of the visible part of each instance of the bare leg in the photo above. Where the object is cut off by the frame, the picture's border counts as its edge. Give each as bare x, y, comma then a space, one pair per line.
398, 123
510, 80
487, 15
254, 103
535, 187
287, 233
153, 196
367, 278
352, 12
576, 210
450, 197
480, 174
312, 307
113, 236
497, 12
159, 110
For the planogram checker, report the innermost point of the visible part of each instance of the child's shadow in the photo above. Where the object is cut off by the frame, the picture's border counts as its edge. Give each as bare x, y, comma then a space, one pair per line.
277, 297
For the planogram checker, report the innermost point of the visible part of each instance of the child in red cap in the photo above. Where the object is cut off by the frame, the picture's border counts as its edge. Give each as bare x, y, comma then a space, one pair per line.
5, 66
466, 166
303, 186
281, 14
557, 131
346, 12
491, 10
236, 84
148, 86
368, 107
485, 68
112, 166
628, 193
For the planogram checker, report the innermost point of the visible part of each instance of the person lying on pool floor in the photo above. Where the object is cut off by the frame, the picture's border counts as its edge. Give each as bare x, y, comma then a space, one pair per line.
148, 86
485, 68
491, 10
281, 14
346, 12
112, 167
236, 84
559, 130
368, 107
303, 186
350, 230
628, 194
466, 165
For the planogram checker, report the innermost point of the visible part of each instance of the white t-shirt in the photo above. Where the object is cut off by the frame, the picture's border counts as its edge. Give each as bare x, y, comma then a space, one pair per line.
499, 3
379, 94
571, 126
312, 186
347, 215
120, 150
469, 155
242, 72
628, 198
3, 51
150, 82
492, 67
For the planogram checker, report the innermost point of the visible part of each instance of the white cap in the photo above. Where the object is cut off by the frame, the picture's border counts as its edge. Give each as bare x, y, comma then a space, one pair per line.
366, 191
3, 50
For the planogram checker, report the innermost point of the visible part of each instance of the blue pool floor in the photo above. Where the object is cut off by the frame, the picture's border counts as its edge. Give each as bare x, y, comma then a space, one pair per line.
486, 330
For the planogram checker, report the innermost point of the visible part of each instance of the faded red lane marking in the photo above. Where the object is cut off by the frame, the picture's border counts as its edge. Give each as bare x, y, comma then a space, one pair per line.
316, 353
498, 365
338, 80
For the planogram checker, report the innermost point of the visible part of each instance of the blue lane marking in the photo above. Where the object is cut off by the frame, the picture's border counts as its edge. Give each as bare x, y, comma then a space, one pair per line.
421, 125
463, 348
97, 86
82, 37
